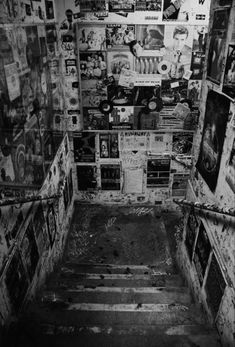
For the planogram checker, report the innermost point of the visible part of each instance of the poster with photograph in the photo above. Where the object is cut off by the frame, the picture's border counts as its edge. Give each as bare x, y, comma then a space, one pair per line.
158, 172
93, 65
51, 224
29, 250
216, 55
121, 118
93, 93
202, 253
145, 120
200, 33
86, 177
172, 93
182, 143
120, 96
191, 232
93, 119
109, 146
229, 74
178, 40
92, 5
215, 122
230, 176
110, 177
84, 147
197, 65
178, 10
150, 37
16, 281
194, 91
144, 94
118, 60
148, 5
118, 36
91, 38
121, 5
215, 286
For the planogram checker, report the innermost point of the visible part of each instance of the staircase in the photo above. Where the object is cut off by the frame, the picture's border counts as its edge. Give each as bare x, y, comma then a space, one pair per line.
103, 305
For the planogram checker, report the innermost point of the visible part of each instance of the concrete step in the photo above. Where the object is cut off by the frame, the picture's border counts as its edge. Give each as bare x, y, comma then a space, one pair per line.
119, 295
70, 279
120, 336
114, 268
103, 314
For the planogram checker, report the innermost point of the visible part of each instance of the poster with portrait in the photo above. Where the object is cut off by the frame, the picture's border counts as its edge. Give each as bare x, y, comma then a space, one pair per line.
215, 122
230, 176
16, 280
202, 252
92, 65
51, 224
229, 74
200, 33
121, 118
191, 232
118, 60
150, 37
29, 250
178, 40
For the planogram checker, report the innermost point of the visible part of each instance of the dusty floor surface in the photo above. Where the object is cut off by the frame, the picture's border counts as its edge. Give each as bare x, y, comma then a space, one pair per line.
122, 235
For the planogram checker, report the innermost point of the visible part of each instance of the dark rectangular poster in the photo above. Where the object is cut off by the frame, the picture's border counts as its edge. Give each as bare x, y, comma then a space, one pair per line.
86, 176
229, 75
191, 232
110, 177
16, 281
109, 146
84, 147
215, 286
202, 252
216, 116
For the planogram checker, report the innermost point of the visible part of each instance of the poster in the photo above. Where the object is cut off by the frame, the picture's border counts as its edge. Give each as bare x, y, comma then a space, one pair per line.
172, 93
93, 94
202, 253
84, 147
180, 183
182, 143
118, 60
109, 146
230, 176
40, 229
148, 5
216, 56
110, 177
70, 186
191, 232
118, 36
121, 5
158, 172
29, 250
86, 177
13, 82
150, 37
16, 281
120, 96
215, 122
92, 38
51, 224
215, 286
229, 74
12, 232
134, 141
121, 118
93, 65
177, 10
133, 181
177, 54
94, 119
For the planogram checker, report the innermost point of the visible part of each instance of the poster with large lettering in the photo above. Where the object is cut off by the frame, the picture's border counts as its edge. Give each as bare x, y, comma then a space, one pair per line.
215, 122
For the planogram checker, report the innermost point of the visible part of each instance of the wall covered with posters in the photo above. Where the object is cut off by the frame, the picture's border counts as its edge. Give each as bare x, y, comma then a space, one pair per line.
132, 88
33, 235
207, 251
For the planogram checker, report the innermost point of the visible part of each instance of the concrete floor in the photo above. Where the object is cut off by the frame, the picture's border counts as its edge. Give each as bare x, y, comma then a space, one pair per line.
141, 235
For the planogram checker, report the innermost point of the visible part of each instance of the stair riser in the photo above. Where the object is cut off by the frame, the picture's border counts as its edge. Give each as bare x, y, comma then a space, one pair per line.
119, 297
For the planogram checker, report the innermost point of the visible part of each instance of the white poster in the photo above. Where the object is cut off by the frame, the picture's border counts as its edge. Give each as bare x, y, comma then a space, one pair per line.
133, 181
13, 82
